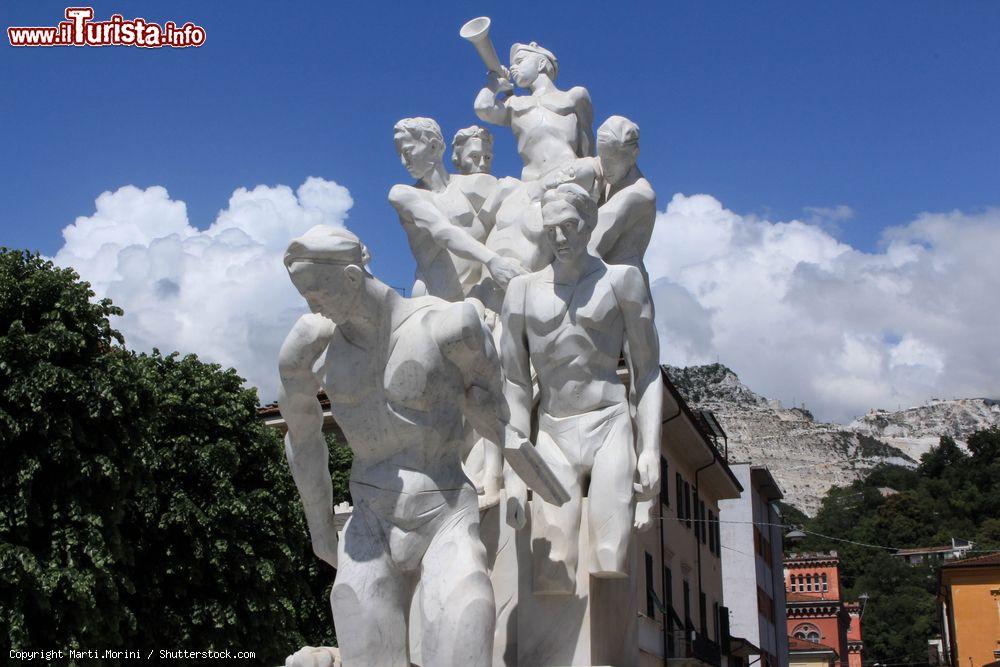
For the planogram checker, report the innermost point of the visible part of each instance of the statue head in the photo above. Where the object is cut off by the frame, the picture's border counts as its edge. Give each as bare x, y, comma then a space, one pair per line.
472, 150
420, 145
568, 218
527, 61
328, 266
617, 147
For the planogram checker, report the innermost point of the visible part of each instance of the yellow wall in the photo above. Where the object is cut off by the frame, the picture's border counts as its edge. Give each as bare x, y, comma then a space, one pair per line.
808, 661
975, 613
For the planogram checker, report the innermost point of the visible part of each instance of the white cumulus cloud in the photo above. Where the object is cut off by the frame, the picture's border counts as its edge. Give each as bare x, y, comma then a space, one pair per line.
222, 292
804, 317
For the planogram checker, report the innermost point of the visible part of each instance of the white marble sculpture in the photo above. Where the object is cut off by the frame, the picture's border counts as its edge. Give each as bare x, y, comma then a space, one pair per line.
440, 216
551, 126
627, 200
472, 150
402, 376
571, 321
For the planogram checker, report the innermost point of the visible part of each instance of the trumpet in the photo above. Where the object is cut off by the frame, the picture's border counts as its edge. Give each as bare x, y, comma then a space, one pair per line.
477, 31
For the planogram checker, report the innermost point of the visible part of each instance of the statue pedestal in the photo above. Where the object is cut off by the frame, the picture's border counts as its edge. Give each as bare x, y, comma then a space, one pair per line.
595, 625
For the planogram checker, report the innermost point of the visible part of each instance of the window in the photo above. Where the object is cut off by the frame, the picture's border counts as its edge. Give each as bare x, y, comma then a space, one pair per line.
809, 582
664, 481
806, 631
668, 588
793, 584
650, 606
825, 589
679, 484
718, 537
711, 531
688, 625
704, 524
698, 533
716, 622
702, 613
687, 504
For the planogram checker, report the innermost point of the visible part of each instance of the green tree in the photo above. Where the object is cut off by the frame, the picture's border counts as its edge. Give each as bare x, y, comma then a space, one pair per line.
143, 503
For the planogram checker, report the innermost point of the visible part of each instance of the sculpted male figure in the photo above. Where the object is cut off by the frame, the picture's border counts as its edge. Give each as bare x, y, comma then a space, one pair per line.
628, 203
571, 321
400, 374
552, 126
441, 219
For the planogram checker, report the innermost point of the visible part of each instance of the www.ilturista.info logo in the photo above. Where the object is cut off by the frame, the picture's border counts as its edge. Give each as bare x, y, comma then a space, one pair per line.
80, 30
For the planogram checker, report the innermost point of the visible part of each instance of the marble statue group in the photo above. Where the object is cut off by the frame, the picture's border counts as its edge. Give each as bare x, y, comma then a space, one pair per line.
504, 418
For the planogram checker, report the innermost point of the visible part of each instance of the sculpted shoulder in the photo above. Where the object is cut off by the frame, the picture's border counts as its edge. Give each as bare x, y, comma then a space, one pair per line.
401, 194
578, 93
628, 282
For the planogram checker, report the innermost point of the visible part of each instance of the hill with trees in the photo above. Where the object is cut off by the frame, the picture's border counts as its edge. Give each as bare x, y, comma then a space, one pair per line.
951, 493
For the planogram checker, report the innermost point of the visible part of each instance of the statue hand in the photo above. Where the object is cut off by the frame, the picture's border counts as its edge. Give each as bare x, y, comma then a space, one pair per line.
517, 501
643, 515
500, 84
324, 544
648, 468
504, 269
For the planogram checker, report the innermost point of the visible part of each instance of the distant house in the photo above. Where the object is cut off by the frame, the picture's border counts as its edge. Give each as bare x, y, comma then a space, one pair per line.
969, 593
808, 653
816, 609
958, 549
752, 559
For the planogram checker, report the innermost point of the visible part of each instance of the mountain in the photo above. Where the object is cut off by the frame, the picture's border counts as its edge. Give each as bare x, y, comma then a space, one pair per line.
806, 457
916, 430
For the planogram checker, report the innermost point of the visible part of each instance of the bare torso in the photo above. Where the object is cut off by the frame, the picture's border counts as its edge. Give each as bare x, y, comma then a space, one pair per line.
635, 208
445, 275
575, 335
404, 418
547, 131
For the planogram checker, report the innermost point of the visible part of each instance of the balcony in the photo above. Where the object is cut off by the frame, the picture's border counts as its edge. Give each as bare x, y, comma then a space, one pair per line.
692, 649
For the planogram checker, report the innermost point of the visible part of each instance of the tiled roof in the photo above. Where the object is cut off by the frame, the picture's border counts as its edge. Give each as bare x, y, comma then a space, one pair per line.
808, 597
978, 561
922, 550
796, 644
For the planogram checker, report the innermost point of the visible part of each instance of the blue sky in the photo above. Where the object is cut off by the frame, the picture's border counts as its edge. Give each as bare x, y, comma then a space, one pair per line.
891, 109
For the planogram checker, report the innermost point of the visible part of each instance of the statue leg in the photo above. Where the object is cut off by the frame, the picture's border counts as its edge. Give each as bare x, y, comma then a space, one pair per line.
456, 602
555, 530
370, 597
612, 506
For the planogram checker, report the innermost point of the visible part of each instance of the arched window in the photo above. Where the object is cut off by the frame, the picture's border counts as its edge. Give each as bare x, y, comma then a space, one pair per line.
806, 631
809, 582
824, 584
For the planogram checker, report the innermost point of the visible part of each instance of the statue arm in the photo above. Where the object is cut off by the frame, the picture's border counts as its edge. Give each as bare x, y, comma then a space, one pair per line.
464, 340
515, 358
489, 105
414, 206
642, 354
305, 447
585, 122
616, 217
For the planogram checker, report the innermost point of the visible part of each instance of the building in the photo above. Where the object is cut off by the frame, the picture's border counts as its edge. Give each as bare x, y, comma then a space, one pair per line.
958, 549
682, 615
816, 609
806, 653
969, 593
752, 575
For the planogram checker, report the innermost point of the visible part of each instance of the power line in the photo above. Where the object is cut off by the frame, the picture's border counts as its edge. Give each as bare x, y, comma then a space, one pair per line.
812, 532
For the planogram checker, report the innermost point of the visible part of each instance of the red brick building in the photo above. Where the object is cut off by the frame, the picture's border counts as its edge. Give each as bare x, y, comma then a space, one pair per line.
816, 609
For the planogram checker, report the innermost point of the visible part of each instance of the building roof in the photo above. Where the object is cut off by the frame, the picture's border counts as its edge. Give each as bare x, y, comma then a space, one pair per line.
811, 558
922, 550
763, 479
796, 645
792, 598
989, 560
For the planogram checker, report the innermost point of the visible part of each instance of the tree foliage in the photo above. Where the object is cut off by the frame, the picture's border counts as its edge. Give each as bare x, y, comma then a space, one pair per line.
951, 493
144, 505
